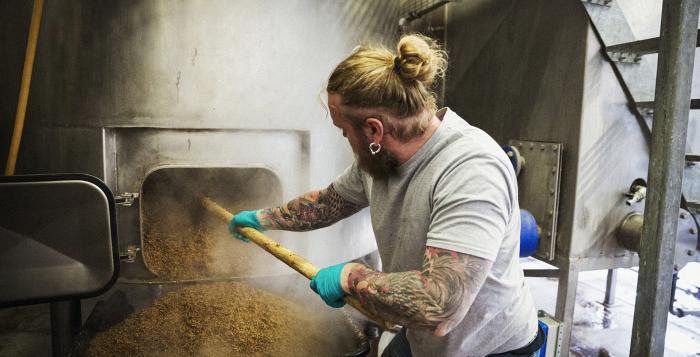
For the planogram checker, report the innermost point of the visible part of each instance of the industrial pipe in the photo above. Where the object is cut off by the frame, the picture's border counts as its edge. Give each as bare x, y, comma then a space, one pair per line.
24, 87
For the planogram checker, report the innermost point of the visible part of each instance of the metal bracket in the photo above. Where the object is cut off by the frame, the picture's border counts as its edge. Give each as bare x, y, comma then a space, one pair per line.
538, 185
126, 199
130, 255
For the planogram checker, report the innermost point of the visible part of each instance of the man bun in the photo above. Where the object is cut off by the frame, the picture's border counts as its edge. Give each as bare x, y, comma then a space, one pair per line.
420, 58
399, 82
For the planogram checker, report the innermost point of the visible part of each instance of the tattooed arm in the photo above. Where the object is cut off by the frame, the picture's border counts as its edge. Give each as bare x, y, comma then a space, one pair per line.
312, 210
436, 298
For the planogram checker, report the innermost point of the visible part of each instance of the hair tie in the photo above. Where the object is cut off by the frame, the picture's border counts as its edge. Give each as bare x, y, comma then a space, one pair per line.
397, 64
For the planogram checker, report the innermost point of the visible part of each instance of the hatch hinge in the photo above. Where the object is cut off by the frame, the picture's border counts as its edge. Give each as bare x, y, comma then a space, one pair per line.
126, 199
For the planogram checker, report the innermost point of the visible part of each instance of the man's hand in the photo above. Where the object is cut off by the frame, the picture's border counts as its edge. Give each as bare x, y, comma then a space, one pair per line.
326, 283
244, 219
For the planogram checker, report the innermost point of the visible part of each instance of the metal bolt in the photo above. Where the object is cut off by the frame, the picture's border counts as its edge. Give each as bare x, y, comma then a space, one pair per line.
532, 146
684, 215
692, 231
690, 253
542, 147
554, 171
551, 192
549, 234
550, 213
555, 148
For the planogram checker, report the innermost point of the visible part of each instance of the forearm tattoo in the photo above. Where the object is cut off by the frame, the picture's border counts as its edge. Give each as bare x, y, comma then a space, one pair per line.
436, 298
312, 210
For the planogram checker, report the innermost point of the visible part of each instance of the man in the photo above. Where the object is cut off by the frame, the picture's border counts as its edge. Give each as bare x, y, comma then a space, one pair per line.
444, 210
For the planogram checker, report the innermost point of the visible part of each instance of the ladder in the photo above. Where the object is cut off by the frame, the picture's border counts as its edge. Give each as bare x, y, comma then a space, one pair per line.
667, 138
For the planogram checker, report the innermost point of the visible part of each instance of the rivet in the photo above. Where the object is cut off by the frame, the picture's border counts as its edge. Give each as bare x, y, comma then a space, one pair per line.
555, 148
542, 147
690, 253
684, 215
692, 231
549, 234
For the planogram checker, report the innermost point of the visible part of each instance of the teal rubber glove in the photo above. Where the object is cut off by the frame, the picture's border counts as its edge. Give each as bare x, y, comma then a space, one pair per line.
244, 219
327, 284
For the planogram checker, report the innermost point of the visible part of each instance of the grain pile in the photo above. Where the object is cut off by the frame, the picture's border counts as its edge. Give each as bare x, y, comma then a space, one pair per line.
222, 319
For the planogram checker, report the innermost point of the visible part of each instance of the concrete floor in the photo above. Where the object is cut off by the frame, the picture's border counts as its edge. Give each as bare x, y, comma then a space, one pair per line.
590, 338
25, 331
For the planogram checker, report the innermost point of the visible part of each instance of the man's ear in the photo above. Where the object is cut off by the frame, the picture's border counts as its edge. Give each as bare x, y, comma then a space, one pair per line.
373, 129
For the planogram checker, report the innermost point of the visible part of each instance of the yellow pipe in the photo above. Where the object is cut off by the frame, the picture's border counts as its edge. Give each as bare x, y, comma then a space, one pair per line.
24, 88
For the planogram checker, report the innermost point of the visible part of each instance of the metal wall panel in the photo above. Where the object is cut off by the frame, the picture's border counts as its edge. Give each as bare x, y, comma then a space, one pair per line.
230, 65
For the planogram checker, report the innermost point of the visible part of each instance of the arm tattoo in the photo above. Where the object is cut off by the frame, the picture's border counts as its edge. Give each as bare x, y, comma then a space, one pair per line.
436, 298
312, 210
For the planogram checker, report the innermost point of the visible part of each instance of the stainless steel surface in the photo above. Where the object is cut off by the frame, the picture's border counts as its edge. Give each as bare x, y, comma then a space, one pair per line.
133, 153
56, 240
686, 240
673, 84
538, 187
249, 72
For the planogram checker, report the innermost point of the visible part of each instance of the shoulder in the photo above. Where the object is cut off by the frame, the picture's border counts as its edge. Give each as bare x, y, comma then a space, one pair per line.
469, 150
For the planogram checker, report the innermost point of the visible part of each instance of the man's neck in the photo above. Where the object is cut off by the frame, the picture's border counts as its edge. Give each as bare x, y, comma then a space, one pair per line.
405, 151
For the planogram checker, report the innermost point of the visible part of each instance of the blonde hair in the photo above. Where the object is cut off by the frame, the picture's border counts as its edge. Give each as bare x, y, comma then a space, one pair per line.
374, 77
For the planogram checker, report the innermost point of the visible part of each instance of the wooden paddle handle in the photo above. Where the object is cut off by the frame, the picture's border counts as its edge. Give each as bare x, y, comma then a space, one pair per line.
287, 256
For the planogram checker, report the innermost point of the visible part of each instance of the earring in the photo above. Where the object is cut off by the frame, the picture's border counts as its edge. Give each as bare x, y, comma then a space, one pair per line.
374, 148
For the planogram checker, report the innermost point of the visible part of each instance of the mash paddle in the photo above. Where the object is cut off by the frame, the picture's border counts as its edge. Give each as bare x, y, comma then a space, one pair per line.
287, 256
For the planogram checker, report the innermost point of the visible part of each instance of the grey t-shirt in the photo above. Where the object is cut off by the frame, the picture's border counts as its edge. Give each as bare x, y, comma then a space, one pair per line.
458, 192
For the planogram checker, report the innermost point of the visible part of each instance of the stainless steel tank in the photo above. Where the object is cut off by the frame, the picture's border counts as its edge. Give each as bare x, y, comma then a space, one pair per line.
122, 88
126, 91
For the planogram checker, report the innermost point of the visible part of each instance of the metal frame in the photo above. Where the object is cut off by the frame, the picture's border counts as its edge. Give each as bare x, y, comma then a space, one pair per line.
633, 51
673, 83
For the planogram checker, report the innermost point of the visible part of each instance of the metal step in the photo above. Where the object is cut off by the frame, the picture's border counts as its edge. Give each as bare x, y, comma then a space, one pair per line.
694, 205
692, 158
632, 52
648, 107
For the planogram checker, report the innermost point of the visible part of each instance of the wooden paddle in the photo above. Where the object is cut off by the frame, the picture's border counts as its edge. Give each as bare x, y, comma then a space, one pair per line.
287, 256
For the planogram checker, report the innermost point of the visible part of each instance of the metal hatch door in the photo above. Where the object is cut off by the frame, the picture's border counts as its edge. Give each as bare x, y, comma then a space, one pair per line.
58, 238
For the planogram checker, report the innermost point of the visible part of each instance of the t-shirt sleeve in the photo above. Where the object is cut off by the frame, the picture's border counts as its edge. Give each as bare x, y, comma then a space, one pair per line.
472, 206
350, 185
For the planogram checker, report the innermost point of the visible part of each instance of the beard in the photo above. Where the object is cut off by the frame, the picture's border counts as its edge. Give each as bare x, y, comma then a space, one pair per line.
380, 166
